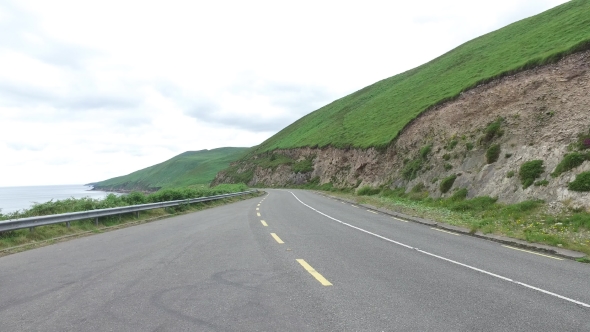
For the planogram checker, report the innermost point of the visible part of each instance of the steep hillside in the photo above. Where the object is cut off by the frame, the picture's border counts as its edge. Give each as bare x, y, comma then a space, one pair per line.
521, 135
188, 168
375, 115
479, 142
489, 141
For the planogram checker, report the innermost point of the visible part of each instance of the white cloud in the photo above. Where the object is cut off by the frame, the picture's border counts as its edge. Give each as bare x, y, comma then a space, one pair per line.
95, 89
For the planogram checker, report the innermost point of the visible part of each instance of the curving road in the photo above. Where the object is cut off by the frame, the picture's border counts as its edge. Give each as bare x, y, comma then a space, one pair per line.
290, 260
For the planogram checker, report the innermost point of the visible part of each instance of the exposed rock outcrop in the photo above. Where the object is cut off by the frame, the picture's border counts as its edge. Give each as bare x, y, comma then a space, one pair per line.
540, 113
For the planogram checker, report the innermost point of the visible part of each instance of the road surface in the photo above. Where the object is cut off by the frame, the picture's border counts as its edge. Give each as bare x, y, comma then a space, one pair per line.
291, 260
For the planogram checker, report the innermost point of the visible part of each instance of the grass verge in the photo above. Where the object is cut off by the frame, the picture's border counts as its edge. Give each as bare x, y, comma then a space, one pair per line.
526, 220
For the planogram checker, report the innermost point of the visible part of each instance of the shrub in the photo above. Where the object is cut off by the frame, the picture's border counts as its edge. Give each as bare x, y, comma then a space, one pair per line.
448, 167
460, 194
529, 171
446, 156
569, 162
493, 153
581, 183
542, 183
135, 198
410, 171
451, 145
367, 191
468, 146
510, 174
508, 155
425, 151
303, 166
493, 130
447, 183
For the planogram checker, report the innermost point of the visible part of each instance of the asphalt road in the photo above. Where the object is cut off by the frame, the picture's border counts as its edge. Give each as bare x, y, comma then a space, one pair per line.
292, 261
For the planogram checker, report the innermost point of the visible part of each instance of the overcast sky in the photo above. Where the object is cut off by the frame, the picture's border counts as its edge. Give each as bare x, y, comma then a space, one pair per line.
90, 90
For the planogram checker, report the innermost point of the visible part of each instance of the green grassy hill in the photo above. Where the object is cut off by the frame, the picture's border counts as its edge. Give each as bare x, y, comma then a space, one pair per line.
188, 168
375, 115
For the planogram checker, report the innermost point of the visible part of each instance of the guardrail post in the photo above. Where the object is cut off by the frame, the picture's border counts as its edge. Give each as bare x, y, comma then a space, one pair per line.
68, 224
31, 229
137, 214
96, 221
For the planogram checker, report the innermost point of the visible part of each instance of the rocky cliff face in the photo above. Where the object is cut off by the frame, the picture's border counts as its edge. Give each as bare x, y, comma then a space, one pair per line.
534, 115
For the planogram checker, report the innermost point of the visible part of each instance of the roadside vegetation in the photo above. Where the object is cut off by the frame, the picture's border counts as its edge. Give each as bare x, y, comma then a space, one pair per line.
375, 115
112, 200
526, 220
25, 239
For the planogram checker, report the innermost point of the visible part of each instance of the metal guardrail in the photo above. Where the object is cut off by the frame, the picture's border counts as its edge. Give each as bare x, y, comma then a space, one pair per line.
30, 222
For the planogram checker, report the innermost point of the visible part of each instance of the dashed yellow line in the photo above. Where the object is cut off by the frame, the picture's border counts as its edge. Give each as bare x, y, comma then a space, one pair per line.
532, 252
398, 219
373, 212
314, 273
258, 214
257, 209
278, 239
264, 223
442, 230
354, 206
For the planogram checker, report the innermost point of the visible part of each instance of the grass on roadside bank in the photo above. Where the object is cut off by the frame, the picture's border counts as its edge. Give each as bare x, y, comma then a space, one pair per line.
43, 235
526, 220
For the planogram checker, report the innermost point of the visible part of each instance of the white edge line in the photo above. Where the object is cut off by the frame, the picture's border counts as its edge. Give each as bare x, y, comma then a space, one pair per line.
449, 260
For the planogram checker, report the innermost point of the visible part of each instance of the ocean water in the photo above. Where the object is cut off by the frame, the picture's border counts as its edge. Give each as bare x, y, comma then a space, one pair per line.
20, 198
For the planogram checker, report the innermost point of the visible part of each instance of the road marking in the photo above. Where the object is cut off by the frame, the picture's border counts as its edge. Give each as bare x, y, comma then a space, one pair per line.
449, 260
532, 252
314, 273
278, 239
258, 204
398, 219
373, 212
342, 202
264, 223
354, 206
442, 230
258, 214
257, 209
